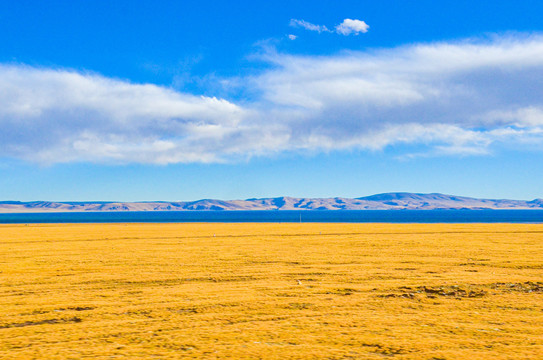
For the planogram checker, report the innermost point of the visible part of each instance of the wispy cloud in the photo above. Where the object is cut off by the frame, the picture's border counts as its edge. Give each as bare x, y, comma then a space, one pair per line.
308, 26
448, 98
347, 27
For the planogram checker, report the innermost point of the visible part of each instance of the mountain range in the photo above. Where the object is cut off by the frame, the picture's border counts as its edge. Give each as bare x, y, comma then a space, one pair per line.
387, 201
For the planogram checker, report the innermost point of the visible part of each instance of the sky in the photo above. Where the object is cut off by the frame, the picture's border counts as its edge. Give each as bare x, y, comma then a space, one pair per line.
185, 100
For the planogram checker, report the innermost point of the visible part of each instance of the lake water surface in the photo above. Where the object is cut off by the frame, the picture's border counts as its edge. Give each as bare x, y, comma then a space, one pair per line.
317, 216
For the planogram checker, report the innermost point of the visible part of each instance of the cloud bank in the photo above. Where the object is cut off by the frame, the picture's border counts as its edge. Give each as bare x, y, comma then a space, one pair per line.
58, 116
466, 97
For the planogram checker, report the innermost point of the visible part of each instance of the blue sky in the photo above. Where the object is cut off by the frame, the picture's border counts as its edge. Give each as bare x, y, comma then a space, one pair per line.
182, 100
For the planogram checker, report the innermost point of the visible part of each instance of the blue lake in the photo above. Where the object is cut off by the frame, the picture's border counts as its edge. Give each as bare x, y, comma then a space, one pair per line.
350, 216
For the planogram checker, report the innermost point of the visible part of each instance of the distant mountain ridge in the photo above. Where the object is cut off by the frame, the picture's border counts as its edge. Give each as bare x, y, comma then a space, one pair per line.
386, 201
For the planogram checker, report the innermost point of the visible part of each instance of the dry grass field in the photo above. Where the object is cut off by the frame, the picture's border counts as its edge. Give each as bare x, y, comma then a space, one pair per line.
271, 291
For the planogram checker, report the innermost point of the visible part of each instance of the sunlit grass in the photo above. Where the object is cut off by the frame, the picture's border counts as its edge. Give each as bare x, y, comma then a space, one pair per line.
271, 291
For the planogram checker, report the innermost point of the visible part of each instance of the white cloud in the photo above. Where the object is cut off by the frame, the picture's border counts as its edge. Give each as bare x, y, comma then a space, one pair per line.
57, 115
347, 27
350, 26
522, 117
355, 99
308, 26
444, 98
292, 37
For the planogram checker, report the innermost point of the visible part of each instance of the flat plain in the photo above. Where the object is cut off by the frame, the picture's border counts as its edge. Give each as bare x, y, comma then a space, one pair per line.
271, 291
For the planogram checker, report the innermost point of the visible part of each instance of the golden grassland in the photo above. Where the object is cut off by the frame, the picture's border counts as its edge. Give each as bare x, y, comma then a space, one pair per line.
272, 291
